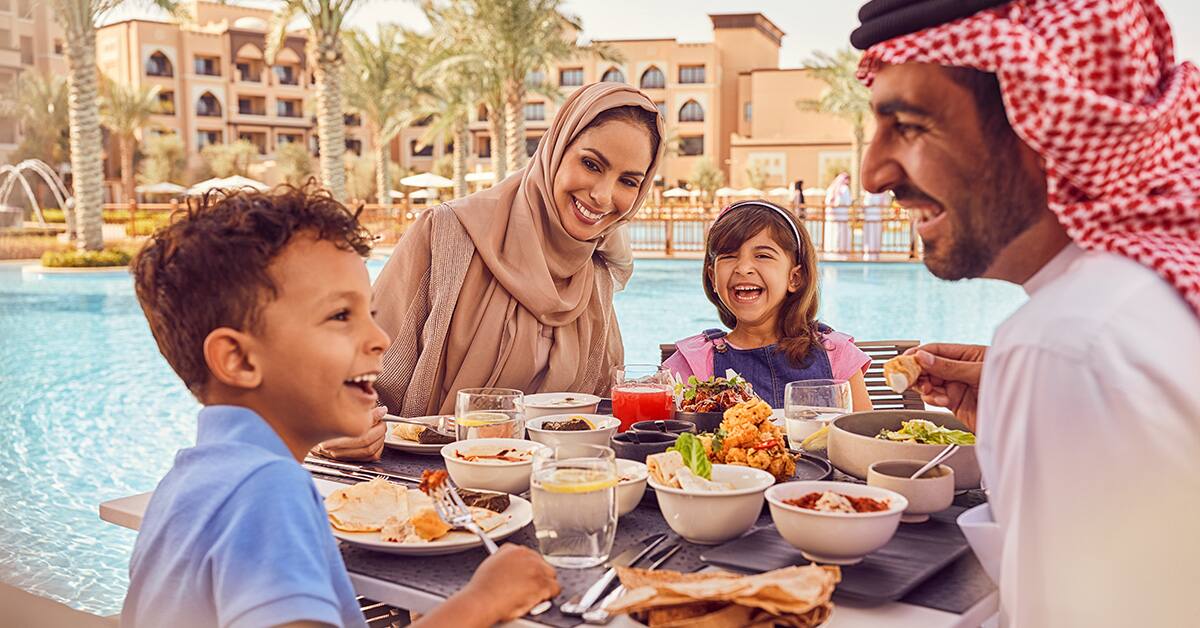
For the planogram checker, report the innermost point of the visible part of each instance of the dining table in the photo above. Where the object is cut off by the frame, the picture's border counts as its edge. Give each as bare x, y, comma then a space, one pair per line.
960, 595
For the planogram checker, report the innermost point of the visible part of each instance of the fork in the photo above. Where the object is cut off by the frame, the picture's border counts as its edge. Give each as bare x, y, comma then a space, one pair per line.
450, 506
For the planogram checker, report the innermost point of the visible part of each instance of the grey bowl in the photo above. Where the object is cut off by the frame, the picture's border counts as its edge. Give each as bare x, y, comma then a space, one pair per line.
670, 426
853, 447
638, 445
705, 421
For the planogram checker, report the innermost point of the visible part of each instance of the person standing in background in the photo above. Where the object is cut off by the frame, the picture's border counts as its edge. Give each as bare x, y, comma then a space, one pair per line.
874, 205
837, 215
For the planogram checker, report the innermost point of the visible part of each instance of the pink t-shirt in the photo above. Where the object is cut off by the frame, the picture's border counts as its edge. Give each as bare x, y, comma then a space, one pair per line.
694, 356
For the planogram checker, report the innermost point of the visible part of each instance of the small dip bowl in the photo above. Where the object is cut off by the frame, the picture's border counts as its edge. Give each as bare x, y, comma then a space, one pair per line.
930, 493
632, 486
836, 538
606, 426
490, 475
637, 445
713, 517
544, 404
670, 426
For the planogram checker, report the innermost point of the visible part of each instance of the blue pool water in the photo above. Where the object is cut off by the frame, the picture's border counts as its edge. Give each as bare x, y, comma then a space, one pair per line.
89, 411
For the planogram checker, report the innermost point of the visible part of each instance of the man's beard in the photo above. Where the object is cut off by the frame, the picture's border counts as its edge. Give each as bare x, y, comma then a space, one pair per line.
993, 205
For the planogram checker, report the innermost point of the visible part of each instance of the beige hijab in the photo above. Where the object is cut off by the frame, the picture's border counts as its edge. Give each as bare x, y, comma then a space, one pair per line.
534, 310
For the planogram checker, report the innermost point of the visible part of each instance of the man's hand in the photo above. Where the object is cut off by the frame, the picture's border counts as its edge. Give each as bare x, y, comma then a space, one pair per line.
950, 376
365, 448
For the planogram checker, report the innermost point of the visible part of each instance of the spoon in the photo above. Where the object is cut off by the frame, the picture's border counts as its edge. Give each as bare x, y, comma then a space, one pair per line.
938, 459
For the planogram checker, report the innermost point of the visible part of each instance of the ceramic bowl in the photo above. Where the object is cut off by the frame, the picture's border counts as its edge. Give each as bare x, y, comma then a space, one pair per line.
838, 538
632, 486
853, 447
709, 518
638, 445
670, 426
606, 426
984, 536
507, 477
705, 421
545, 404
930, 493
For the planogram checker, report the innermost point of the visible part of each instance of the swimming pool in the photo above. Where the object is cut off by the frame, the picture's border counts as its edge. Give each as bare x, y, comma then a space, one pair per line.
92, 412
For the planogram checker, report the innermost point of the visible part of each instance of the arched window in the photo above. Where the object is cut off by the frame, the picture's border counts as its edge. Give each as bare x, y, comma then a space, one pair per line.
691, 111
208, 106
614, 75
653, 78
159, 65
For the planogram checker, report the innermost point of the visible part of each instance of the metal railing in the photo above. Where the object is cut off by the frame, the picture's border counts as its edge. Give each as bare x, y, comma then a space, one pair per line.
666, 229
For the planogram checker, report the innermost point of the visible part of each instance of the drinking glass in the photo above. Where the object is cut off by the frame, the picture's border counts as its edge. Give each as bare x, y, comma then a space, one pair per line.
574, 494
641, 392
809, 405
489, 413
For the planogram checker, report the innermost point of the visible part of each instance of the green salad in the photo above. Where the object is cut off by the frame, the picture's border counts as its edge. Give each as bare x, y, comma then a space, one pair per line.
925, 432
692, 450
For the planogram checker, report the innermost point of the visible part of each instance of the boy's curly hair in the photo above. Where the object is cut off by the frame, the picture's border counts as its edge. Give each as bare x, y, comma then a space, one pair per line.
207, 268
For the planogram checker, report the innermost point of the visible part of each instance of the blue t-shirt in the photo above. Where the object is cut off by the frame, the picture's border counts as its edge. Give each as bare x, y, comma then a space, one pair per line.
237, 535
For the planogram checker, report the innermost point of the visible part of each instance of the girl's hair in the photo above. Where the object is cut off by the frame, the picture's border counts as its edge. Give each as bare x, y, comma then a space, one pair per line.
798, 312
634, 115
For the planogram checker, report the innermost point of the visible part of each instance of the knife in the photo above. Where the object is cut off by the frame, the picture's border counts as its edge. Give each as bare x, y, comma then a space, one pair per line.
598, 588
599, 615
349, 468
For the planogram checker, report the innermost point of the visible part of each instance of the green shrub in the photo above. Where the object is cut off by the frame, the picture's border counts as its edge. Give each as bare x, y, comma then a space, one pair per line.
86, 259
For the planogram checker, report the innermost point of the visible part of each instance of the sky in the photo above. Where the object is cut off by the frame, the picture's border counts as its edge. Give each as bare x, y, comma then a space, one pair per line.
810, 24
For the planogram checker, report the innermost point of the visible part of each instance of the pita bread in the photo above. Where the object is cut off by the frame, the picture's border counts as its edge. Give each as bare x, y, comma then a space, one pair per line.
901, 372
789, 591
663, 467
364, 507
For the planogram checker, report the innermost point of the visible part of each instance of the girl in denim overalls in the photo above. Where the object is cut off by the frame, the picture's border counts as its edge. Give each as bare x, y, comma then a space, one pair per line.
760, 270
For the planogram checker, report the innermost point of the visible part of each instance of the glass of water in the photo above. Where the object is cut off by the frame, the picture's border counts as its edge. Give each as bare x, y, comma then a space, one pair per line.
489, 413
811, 404
574, 495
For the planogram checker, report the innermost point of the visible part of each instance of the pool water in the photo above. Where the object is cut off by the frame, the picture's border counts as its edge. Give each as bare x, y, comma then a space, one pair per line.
92, 412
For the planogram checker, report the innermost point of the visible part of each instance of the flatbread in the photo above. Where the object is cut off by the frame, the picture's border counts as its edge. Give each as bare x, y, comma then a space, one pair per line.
408, 431
901, 372
364, 507
663, 467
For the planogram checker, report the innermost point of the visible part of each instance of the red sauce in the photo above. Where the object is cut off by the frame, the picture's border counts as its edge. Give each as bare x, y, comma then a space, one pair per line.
860, 504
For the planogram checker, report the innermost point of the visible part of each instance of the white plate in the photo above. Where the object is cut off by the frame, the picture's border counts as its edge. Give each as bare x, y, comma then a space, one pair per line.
519, 512
395, 442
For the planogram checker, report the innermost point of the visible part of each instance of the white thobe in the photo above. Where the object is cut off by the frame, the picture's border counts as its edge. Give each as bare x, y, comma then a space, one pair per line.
1089, 441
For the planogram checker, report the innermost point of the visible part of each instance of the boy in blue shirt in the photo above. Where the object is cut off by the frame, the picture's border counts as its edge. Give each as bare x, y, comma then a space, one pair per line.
261, 304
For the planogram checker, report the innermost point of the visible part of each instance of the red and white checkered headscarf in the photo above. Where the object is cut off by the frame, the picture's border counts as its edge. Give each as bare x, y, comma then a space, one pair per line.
1093, 87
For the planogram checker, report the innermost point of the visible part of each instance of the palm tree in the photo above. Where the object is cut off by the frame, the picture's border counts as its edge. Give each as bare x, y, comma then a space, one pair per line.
78, 19
516, 38
39, 104
124, 110
325, 18
383, 84
845, 97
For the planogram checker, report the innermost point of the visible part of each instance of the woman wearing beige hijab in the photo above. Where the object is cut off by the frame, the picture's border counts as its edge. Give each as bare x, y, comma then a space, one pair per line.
513, 286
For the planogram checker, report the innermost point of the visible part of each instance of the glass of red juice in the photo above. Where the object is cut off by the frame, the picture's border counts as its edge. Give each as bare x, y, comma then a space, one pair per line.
641, 392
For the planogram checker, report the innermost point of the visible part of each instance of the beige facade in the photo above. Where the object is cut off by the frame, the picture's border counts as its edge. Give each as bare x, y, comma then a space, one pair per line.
216, 86
30, 40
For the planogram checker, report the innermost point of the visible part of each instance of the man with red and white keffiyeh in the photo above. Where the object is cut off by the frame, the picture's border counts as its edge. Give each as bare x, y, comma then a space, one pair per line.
1056, 144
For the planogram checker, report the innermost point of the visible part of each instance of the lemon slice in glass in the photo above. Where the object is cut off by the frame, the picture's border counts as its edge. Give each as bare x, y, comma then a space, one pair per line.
578, 481
477, 419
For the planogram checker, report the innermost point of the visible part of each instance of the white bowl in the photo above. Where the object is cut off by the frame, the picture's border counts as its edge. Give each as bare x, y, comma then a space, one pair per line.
853, 447
984, 536
545, 404
630, 491
606, 426
930, 493
709, 518
507, 477
838, 538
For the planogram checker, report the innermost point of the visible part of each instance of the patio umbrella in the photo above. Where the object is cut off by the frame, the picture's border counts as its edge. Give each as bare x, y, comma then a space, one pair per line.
476, 177
751, 191
162, 187
236, 182
780, 192
423, 194
726, 191
395, 194
676, 193
427, 180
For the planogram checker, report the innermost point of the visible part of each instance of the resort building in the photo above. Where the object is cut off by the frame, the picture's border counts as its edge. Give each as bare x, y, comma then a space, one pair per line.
30, 40
216, 86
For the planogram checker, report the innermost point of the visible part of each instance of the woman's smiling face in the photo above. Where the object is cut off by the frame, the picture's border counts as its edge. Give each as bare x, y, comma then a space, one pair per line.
599, 178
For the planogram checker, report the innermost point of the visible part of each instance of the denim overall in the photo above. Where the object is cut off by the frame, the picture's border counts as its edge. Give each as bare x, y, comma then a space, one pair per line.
768, 368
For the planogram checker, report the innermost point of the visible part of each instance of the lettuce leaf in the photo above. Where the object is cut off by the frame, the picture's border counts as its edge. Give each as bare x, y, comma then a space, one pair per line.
693, 454
927, 433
